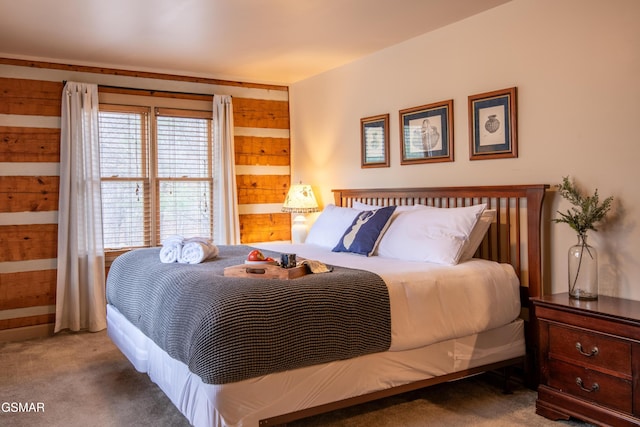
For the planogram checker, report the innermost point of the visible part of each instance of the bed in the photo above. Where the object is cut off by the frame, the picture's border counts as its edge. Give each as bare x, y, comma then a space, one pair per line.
482, 325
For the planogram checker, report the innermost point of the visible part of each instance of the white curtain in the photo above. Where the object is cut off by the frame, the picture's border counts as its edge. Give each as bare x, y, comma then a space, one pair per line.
226, 222
81, 301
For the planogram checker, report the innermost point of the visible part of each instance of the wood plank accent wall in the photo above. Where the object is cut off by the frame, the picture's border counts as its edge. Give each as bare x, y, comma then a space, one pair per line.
30, 108
251, 150
24, 144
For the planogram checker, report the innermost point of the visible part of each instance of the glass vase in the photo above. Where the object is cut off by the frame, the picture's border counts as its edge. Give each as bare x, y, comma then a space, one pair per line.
583, 270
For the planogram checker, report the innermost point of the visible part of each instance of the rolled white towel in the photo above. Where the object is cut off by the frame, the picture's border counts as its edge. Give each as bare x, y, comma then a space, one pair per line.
197, 250
171, 249
204, 240
173, 240
170, 253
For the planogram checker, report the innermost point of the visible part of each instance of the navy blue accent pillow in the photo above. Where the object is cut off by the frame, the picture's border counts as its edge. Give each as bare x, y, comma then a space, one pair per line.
365, 231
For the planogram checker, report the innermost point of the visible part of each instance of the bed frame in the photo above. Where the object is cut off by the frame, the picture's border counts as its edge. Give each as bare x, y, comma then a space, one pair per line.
514, 238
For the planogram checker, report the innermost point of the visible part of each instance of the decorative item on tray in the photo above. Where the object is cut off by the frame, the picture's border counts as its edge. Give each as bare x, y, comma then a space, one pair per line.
288, 261
261, 267
257, 257
316, 266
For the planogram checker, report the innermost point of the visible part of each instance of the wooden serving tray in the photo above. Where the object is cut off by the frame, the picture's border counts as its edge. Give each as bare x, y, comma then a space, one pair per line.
266, 271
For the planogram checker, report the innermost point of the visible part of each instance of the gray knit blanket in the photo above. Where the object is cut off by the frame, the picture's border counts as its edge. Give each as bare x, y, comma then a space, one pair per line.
227, 329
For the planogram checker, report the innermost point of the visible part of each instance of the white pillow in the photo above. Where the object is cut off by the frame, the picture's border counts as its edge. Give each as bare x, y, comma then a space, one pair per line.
328, 229
477, 234
365, 207
430, 234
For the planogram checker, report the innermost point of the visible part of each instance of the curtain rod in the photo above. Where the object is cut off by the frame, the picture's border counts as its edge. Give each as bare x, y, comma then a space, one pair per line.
64, 82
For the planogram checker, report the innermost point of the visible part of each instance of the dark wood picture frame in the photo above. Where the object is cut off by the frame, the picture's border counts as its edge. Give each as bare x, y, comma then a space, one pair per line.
493, 125
426, 133
374, 135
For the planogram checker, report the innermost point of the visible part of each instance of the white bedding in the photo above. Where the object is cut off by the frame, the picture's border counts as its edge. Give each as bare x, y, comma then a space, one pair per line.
431, 302
244, 403
438, 327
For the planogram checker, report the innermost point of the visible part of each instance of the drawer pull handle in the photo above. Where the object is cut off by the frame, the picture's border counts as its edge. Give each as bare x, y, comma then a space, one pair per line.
593, 352
594, 387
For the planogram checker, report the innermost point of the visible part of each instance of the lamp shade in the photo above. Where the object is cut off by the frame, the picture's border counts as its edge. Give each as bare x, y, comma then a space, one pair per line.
300, 199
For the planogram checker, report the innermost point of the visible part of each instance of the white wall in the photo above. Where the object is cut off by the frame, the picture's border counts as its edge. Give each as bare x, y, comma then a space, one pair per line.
576, 64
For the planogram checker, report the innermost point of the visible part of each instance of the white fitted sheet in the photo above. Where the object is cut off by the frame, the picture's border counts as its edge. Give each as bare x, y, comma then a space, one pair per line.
431, 302
245, 403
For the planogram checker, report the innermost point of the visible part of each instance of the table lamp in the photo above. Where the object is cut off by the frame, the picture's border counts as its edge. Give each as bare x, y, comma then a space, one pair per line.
300, 200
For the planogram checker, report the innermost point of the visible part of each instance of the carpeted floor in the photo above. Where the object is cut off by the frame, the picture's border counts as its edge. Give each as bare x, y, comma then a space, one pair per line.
83, 380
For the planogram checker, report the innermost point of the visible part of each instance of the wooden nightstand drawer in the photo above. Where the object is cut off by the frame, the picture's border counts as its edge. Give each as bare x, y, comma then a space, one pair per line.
590, 349
598, 386
594, 386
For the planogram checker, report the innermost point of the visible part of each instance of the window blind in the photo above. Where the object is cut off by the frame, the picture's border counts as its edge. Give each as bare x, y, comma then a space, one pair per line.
125, 177
184, 176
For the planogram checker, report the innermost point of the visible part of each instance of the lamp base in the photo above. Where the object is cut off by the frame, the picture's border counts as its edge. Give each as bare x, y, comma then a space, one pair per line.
299, 229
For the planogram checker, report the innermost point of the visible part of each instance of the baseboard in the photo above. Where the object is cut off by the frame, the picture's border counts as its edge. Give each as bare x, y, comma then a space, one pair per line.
27, 332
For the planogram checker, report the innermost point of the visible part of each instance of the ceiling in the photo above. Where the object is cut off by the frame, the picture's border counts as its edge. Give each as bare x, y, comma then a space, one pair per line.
262, 41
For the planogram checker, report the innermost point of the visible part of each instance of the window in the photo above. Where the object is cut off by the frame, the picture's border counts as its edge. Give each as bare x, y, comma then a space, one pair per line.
156, 174
124, 167
184, 174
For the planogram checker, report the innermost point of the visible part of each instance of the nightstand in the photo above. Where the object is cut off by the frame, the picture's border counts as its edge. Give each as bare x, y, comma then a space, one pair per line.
589, 359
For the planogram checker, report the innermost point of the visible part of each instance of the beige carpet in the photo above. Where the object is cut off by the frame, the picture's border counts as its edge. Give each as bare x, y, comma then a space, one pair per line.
83, 380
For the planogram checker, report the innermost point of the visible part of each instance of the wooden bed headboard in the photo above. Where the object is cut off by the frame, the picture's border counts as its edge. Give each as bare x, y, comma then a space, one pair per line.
514, 237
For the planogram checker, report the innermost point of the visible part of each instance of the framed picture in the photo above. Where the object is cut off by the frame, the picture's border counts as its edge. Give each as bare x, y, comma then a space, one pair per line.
426, 133
493, 125
374, 132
